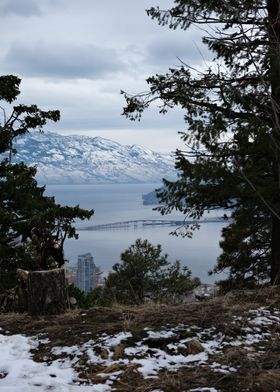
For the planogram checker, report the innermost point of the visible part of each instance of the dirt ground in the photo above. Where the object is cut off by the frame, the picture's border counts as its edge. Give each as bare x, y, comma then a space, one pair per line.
256, 369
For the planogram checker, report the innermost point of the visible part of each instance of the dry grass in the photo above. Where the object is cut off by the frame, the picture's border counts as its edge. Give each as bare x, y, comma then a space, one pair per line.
267, 380
256, 373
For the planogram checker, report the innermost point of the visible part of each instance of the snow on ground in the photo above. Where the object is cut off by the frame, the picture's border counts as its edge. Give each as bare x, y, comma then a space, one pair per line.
59, 372
19, 373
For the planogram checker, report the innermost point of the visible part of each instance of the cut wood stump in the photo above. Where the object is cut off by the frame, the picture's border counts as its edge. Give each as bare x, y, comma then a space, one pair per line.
36, 292
46, 292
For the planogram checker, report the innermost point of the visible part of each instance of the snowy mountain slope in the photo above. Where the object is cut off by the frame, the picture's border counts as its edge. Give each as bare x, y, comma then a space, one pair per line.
82, 159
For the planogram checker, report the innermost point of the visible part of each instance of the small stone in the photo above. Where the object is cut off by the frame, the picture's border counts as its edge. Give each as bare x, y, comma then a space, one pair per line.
104, 354
194, 347
118, 351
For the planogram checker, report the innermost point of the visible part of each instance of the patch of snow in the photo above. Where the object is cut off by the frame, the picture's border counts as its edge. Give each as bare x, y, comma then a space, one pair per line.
157, 390
261, 320
115, 340
151, 365
159, 334
132, 351
65, 350
222, 368
25, 375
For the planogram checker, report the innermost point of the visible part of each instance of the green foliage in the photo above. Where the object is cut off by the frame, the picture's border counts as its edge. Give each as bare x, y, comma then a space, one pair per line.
9, 88
232, 112
145, 272
96, 297
246, 249
33, 228
22, 118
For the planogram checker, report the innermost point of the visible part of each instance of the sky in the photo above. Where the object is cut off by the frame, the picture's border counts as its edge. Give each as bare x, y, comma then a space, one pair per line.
76, 56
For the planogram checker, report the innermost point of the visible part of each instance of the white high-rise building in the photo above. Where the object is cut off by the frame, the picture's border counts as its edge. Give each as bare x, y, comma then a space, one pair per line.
85, 272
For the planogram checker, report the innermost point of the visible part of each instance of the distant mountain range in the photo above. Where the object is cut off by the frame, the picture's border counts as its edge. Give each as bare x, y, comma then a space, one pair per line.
83, 159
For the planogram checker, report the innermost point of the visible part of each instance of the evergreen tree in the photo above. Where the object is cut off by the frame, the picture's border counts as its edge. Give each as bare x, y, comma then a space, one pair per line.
33, 228
232, 159
145, 271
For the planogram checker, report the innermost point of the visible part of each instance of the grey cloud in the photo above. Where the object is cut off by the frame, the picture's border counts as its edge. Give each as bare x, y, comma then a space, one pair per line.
167, 52
65, 61
110, 118
23, 8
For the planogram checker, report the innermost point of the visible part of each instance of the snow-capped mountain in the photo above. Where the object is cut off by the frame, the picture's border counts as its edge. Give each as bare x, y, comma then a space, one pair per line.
83, 159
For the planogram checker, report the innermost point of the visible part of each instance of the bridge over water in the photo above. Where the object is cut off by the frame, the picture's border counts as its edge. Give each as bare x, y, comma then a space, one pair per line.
145, 223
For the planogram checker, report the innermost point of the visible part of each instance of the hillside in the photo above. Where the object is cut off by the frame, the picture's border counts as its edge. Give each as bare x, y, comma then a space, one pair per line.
150, 199
227, 344
83, 159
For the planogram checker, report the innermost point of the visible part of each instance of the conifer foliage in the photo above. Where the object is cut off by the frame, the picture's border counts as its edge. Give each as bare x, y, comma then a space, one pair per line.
232, 112
146, 273
33, 228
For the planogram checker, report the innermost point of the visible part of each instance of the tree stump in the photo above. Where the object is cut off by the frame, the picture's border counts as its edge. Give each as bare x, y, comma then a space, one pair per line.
46, 291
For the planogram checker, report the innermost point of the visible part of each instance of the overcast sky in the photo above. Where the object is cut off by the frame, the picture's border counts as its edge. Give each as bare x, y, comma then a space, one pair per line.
76, 56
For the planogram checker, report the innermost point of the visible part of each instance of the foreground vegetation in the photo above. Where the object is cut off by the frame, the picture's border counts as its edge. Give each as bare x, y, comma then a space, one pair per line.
229, 344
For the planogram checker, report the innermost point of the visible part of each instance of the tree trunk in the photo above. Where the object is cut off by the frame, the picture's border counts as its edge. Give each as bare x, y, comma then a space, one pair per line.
273, 9
46, 292
275, 251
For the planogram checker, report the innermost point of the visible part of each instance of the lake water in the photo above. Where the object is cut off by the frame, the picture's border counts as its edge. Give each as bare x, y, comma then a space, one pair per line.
123, 202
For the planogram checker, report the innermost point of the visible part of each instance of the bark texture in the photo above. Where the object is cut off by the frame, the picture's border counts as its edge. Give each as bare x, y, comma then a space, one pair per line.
273, 8
36, 292
46, 292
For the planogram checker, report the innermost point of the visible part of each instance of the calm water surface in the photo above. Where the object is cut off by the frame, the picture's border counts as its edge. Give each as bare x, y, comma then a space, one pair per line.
122, 202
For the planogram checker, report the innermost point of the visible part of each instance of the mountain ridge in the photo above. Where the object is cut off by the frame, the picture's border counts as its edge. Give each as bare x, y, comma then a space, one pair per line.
79, 159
